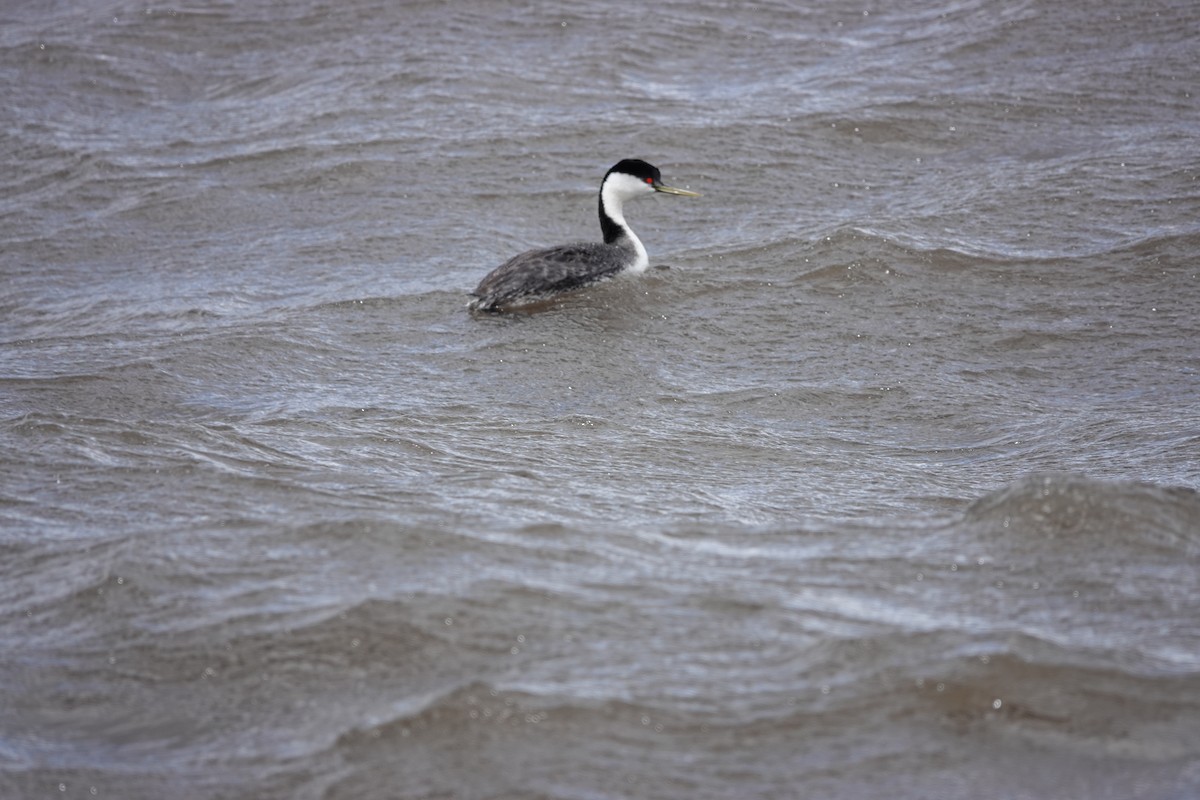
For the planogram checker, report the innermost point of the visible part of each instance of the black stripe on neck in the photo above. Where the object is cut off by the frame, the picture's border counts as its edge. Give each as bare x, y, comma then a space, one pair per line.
612, 231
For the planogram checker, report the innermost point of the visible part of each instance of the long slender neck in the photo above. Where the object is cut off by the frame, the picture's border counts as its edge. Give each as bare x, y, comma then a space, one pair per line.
616, 230
612, 217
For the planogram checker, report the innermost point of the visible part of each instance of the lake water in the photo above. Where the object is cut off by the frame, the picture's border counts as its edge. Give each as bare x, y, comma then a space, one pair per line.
884, 487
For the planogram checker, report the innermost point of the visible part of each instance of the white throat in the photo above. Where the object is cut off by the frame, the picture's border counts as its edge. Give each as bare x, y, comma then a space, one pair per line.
616, 190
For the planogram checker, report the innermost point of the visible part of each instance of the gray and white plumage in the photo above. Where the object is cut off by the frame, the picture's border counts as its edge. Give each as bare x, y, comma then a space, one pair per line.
541, 274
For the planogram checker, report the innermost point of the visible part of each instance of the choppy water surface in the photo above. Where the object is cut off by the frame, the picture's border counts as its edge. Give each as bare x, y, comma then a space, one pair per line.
885, 488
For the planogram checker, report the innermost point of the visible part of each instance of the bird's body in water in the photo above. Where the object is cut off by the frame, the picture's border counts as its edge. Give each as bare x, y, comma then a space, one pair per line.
541, 274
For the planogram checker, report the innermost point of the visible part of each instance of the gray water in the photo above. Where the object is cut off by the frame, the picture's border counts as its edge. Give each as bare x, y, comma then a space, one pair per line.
885, 488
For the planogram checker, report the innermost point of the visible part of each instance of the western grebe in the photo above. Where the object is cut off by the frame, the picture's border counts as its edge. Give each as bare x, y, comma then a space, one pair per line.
539, 274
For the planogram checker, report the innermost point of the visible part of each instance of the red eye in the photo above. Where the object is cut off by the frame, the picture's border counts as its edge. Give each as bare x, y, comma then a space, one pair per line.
650, 181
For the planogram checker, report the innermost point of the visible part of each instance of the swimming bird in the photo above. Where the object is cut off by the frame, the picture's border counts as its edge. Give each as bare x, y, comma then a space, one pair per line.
541, 274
